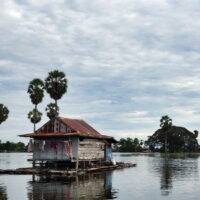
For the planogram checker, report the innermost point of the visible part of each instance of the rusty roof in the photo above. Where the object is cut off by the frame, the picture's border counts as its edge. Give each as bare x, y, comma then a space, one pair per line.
80, 126
60, 134
80, 129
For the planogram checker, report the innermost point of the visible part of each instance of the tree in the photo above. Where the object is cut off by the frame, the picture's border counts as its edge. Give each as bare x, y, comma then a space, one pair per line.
52, 111
130, 145
165, 124
35, 117
3, 113
179, 139
36, 93
12, 147
56, 85
196, 133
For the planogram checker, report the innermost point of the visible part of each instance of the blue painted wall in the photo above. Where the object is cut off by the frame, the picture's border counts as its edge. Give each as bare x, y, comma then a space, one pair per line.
108, 153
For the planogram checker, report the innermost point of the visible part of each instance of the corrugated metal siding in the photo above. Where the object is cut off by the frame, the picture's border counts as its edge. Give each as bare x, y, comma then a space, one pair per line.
52, 150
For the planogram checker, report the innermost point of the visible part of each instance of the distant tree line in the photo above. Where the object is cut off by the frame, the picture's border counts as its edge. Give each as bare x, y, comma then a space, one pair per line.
12, 147
129, 145
169, 139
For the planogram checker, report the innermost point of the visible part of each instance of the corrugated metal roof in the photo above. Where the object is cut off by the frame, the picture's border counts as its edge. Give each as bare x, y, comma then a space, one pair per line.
80, 128
63, 135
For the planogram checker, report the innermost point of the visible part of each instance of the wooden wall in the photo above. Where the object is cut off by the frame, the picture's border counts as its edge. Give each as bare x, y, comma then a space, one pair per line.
85, 149
55, 126
55, 149
91, 149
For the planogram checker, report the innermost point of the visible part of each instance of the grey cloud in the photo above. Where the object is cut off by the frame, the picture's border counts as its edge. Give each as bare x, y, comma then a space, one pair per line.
120, 57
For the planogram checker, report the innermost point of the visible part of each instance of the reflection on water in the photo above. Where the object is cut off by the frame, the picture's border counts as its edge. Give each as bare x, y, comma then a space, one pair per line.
90, 186
156, 177
176, 167
166, 177
14, 160
3, 194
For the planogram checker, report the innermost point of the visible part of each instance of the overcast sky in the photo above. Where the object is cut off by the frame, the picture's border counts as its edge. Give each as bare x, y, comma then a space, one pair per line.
128, 62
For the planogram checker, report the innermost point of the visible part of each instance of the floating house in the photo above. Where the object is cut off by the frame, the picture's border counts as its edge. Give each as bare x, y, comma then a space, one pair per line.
69, 140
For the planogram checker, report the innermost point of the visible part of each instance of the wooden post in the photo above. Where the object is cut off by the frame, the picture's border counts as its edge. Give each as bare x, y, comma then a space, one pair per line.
33, 163
89, 163
33, 177
77, 157
165, 142
76, 180
84, 164
77, 162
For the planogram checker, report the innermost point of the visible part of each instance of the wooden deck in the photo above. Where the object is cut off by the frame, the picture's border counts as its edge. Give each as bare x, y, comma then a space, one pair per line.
70, 172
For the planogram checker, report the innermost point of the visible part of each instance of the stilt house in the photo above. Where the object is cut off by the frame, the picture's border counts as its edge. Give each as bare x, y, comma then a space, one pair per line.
64, 139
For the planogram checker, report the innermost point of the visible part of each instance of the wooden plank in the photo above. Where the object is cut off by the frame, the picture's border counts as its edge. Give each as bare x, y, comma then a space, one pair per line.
77, 159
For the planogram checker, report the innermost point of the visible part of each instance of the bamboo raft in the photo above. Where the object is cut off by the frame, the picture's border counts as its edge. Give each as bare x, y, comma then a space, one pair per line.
65, 172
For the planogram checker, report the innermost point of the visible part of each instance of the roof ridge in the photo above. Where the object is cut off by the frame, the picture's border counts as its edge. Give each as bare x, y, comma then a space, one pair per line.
80, 126
70, 118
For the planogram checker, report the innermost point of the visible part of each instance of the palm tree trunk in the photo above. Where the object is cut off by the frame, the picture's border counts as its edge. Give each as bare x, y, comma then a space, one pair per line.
56, 102
165, 142
34, 126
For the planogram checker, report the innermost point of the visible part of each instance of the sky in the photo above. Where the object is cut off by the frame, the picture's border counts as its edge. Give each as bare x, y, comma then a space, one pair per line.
128, 62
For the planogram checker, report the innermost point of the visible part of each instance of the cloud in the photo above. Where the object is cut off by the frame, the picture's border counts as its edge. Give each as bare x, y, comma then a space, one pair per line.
128, 62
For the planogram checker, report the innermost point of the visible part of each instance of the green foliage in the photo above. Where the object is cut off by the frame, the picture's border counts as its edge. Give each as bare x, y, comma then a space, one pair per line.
12, 147
35, 116
3, 113
56, 84
196, 133
52, 110
179, 139
36, 91
165, 122
172, 138
130, 145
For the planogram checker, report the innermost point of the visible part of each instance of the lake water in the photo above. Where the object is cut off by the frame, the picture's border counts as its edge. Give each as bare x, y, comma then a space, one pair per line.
156, 177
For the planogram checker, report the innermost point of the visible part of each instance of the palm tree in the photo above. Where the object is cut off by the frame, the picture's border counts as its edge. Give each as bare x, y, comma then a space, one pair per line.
35, 117
3, 113
36, 93
52, 111
56, 85
165, 124
196, 133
